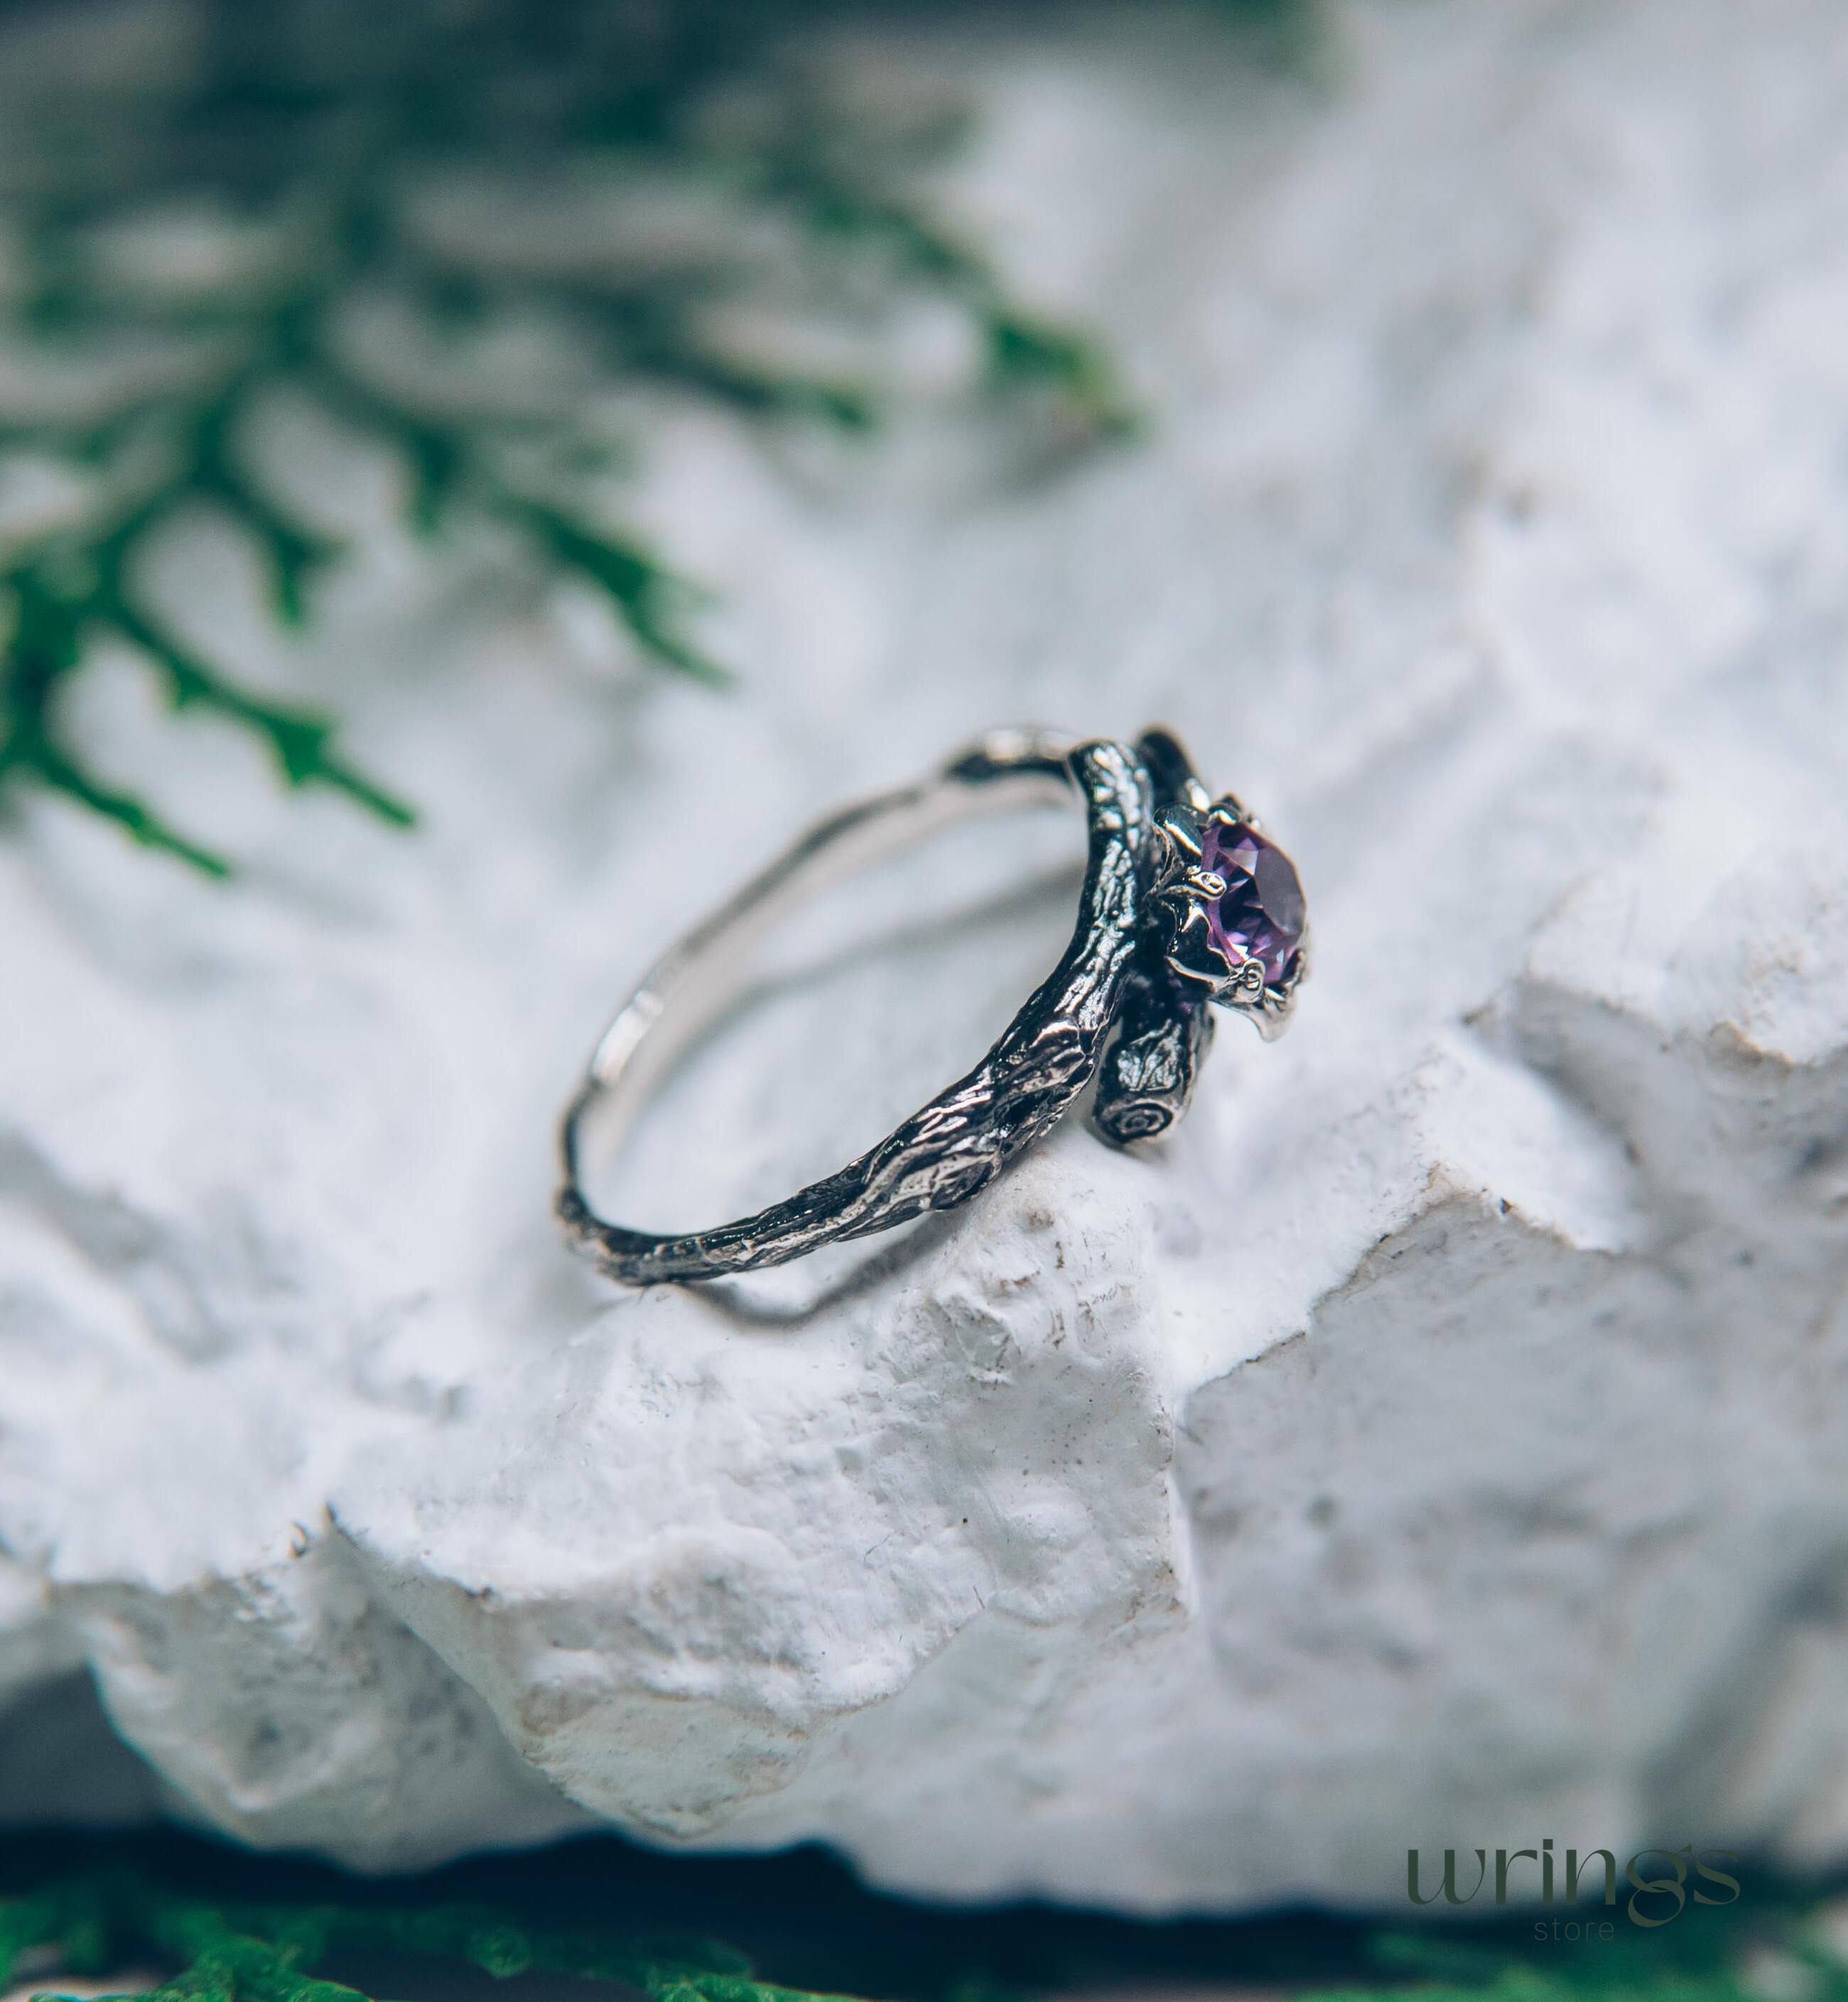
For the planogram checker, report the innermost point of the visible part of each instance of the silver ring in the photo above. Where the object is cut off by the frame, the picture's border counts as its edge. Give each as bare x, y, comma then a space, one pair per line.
1185, 901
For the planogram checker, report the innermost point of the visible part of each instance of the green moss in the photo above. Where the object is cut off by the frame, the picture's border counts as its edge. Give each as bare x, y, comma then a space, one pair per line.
234, 1927
265, 1952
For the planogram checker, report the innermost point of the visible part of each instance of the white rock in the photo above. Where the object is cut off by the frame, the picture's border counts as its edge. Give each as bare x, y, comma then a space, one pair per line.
35, 1645
1443, 1439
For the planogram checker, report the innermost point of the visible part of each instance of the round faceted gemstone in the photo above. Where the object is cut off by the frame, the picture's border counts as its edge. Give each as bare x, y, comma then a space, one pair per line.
1261, 915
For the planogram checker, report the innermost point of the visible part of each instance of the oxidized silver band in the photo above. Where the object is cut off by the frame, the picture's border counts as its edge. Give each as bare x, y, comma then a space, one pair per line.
1173, 913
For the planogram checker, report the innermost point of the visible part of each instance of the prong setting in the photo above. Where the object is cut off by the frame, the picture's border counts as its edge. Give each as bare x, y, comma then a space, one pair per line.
1181, 828
1221, 935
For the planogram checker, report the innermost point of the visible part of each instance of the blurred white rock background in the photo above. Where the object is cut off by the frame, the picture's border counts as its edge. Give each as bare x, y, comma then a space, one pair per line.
1444, 1440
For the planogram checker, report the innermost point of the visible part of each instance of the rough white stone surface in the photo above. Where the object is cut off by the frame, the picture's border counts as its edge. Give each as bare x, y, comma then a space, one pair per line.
1443, 1439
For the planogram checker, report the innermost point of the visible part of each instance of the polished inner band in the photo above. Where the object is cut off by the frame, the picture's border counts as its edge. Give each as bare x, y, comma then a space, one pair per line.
947, 1151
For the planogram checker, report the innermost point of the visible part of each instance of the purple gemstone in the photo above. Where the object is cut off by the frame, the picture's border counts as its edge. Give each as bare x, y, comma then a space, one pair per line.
1261, 915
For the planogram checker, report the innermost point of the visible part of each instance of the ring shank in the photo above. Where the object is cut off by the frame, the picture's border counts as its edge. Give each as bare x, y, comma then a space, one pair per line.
950, 1149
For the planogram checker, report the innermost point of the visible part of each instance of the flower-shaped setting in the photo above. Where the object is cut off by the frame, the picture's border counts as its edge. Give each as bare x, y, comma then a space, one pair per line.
1234, 906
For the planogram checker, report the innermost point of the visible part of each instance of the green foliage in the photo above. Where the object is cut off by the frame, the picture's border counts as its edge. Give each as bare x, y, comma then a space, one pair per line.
240, 1929
309, 128
264, 1952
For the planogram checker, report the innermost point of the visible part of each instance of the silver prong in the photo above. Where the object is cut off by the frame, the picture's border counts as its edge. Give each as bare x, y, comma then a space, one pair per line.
1191, 952
1270, 1022
1181, 838
1276, 1007
1178, 965
1205, 883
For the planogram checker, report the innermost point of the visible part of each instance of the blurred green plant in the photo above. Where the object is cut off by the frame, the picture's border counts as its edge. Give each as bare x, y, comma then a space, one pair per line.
1779, 1944
269, 1952
1773, 1946
308, 132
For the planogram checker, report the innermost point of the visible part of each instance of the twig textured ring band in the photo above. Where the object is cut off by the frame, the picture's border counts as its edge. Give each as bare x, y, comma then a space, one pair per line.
1184, 901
